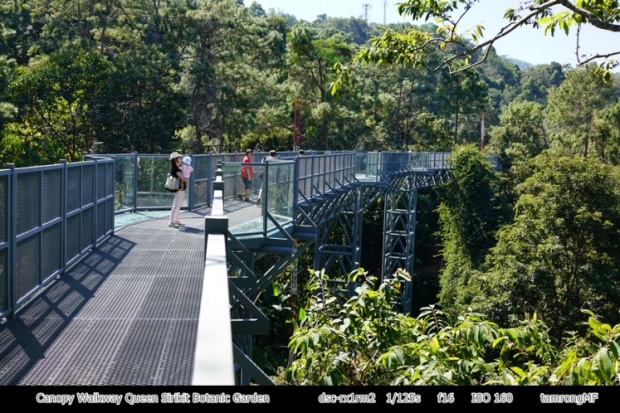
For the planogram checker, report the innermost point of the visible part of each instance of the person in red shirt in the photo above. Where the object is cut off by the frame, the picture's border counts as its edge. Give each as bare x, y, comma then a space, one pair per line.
247, 173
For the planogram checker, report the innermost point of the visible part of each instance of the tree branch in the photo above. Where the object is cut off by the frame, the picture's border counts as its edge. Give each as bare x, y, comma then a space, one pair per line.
599, 56
504, 31
590, 17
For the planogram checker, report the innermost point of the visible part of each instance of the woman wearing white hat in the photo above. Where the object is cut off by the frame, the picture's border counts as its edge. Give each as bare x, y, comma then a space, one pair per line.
175, 170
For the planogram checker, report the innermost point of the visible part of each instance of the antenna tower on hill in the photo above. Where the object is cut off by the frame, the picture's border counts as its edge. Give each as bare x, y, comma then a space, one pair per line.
366, 7
384, 8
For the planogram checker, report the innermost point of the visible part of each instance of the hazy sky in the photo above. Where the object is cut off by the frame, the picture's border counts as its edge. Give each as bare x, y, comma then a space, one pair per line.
525, 44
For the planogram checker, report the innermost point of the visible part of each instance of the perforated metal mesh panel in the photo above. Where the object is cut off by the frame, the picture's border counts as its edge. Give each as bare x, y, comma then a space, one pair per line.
52, 253
200, 192
88, 182
51, 201
28, 265
73, 236
109, 183
28, 201
74, 183
4, 264
3, 279
87, 228
4, 187
102, 218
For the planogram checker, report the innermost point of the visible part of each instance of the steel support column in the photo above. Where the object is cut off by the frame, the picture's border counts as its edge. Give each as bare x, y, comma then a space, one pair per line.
399, 230
343, 252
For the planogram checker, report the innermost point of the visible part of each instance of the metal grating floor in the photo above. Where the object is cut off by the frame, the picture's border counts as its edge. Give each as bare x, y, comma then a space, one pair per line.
125, 316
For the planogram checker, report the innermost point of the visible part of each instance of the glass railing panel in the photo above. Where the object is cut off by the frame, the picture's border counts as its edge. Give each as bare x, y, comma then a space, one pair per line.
152, 172
280, 190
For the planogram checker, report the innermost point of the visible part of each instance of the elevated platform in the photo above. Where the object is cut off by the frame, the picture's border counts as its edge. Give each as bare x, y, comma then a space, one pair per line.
126, 315
127, 312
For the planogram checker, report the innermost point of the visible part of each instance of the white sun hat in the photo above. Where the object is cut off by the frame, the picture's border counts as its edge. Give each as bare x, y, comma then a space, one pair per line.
187, 160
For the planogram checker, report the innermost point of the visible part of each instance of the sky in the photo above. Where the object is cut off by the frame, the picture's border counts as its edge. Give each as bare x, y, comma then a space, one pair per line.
525, 44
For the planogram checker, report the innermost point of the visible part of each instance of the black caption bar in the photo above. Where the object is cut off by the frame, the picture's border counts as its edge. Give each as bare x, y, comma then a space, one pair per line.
312, 396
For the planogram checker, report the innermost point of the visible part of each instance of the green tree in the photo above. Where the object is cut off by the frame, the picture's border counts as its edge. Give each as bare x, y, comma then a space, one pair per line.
312, 55
231, 70
571, 110
521, 133
463, 96
80, 102
356, 29
55, 95
607, 129
96, 76
470, 213
7, 65
535, 83
561, 252
500, 75
461, 50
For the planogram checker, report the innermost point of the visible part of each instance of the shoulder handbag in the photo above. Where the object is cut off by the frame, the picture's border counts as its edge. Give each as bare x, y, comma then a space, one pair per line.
172, 183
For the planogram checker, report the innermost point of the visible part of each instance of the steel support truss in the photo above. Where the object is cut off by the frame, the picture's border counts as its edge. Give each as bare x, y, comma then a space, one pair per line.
333, 224
399, 228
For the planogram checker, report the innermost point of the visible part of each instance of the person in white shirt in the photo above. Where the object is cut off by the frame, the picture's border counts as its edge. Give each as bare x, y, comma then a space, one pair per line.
272, 156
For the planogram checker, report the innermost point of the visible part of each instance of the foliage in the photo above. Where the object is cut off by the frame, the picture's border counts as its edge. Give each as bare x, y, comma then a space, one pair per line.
565, 16
7, 110
471, 211
460, 50
535, 83
364, 342
462, 95
521, 133
560, 254
341, 345
135, 76
607, 125
571, 112
312, 53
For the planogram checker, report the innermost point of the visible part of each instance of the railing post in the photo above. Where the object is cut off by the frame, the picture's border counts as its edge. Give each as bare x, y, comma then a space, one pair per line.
95, 183
190, 185
295, 189
136, 170
63, 214
210, 180
12, 234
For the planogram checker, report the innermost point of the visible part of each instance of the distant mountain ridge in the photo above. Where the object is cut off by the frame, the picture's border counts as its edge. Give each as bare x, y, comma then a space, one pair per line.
522, 65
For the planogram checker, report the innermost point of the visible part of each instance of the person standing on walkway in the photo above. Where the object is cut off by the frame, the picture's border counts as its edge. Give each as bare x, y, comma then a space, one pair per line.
175, 170
272, 156
247, 173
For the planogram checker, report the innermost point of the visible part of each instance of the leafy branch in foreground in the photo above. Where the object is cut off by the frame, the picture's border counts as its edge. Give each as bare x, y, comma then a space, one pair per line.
363, 341
461, 50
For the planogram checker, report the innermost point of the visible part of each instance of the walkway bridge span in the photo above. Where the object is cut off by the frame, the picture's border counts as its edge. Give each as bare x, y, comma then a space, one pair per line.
89, 295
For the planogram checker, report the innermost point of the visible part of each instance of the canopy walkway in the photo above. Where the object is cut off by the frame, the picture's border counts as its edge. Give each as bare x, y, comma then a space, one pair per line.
96, 289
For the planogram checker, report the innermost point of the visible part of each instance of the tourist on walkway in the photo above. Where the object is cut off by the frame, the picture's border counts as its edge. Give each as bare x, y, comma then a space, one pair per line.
272, 156
247, 173
175, 170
